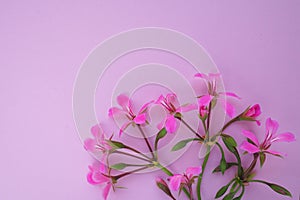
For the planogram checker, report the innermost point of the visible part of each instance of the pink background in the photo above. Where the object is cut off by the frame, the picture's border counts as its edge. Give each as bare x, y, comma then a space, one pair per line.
256, 46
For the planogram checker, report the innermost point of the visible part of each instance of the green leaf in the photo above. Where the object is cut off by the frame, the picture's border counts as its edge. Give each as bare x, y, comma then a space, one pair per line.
229, 196
182, 144
223, 165
277, 188
222, 190
229, 142
262, 158
165, 189
116, 145
162, 133
119, 166
228, 165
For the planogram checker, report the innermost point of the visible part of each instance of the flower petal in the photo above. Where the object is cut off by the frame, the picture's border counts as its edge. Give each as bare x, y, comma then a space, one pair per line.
175, 181
171, 125
251, 136
230, 94
276, 153
172, 99
271, 126
106, 190
201, 75
250, 148
124, 101
284, 137
229, 109
145, 107
205, 100
187, 108
113, 111
89, 145
193, 171
140, 119
124, 126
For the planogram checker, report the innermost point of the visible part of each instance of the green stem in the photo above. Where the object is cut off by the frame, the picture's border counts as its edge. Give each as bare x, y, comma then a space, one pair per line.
252, 165
229, 123
189, 127
146, 140
130, 172
201, 175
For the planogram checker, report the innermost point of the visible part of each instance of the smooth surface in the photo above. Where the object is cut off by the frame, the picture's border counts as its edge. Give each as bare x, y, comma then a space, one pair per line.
255, 44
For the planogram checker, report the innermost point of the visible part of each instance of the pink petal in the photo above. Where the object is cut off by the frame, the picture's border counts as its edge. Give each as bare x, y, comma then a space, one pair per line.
172, 99
90, 179
124, 101
187, 108
171, 125
284, 137
193, 171
276, 153
229, 109
230, 94
254, 111
250, 148
205, 100
251, 136
99, 178
160, 99
140, 119
115, 111
201, 75
214, 75
271, 126
106, 190
175, 181
161, 125
145, 107
89, 145
124, 126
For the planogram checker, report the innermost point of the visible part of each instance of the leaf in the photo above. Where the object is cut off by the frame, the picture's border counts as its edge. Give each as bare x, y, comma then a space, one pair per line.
228, 165
162, 133
229, 196
182, 144
165, 189
223, 165
116, 145
119, 166
229, 142
277, 188
222, 191
262, 158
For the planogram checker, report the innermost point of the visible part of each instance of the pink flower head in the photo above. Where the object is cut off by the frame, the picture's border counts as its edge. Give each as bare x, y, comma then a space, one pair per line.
171, 105
271, 128
203, 102
126, 110
212, 92
252, 113
96, 176
97, 144
186, 178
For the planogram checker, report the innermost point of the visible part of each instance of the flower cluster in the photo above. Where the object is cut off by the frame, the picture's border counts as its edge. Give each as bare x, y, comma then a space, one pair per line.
105, 174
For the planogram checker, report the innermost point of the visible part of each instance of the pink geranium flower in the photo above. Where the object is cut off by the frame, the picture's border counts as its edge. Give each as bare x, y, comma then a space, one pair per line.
252, 113
97, 144
127, 111
96, 176
171, 105
186, 178
212, 92
271, 128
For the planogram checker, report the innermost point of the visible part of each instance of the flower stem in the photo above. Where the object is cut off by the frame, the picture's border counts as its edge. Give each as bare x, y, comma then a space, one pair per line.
130, 172
189, 127
146, 140
252, 165
201, 175
134, 156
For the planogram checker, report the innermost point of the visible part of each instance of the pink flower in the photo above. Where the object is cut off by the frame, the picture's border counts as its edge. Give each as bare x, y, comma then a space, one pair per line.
203, 102
271, 128
252, 113
170, 103
97, 144
212, 92
97, 176
187, 178
126, 110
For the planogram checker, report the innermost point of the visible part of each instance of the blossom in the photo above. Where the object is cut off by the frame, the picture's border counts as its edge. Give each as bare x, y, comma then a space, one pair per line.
211, 82
170, 103
96, 176
252, 113
97, 144
186, 178
127, 111
271, 129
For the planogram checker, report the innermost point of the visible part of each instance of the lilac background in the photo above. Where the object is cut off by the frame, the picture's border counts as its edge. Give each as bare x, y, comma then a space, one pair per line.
255, 45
